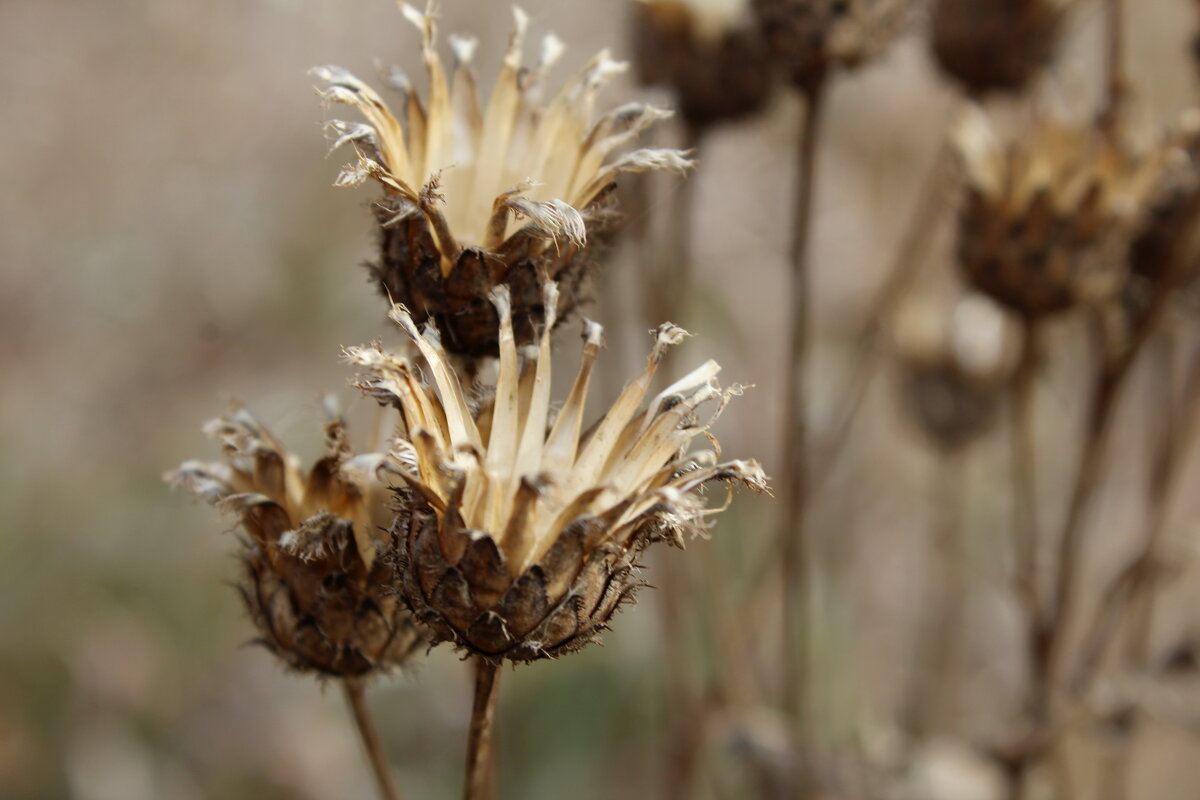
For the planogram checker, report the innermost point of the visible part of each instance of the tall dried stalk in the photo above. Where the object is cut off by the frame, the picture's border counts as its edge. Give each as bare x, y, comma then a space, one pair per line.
353, 689
479, 780
792, 534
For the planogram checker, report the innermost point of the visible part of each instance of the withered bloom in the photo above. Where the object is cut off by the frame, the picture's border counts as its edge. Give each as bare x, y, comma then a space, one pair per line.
812, 37
520, 533
709, 52
954, 367
995, 45
1166, 249
1047, 219
315, 584
517, 191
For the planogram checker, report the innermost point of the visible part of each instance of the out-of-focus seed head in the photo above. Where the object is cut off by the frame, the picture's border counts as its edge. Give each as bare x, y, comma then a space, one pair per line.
1047, 219
995, 45
521, 530
515, 190
315, 585
1166, 249
709, 52
812, 37
955, 365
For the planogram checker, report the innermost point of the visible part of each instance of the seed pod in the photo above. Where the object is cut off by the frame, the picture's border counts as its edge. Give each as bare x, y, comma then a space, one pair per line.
517, 191
519, 535
995, 45
314, 583
811, 37
1166, 248
1047, 220
713, 58
954, 368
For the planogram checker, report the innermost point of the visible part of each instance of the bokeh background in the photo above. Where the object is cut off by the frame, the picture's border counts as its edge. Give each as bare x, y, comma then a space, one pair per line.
169, 239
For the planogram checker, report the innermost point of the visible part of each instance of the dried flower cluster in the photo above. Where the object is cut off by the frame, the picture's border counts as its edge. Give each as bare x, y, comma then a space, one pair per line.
520, 534
995, 45
315, 584
1048, 220
515, 192
812, 37
709, 52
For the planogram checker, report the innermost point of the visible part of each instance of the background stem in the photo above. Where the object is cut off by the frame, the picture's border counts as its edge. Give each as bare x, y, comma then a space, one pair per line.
353, 689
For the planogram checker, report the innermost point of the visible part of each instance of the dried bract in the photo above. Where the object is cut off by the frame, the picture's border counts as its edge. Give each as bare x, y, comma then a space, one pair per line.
709, 52
314, 584
954, 367
1047, 220
515, 191
520, 533
812, 37
1166, 250
995, 45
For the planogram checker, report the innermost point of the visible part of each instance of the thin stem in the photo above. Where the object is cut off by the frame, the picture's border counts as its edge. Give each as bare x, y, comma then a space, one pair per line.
353, 689
1115, 85
793, 540
1025, 507
480, 771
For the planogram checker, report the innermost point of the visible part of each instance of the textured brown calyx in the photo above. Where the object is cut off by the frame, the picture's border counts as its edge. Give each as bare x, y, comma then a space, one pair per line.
321, 598
513, 188
409, 267
471, 599
519, 532
994, 45
716, 75
811, 37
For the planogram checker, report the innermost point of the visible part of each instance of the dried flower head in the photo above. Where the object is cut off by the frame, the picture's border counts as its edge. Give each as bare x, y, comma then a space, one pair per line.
1047, 219
315, 586
521, 532
1166, 249
995, 45
709, 52
954, 366
811, 37
517, 192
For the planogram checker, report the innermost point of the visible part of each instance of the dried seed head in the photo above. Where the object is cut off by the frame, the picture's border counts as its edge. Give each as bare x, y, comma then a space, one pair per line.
995, 45
521, 531
1166, 249
315, 586
515, 191
811, 37
708, 52
954, 366
1047, 220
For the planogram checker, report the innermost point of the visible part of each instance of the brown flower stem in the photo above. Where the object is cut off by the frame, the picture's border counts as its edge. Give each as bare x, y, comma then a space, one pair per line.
793, 540
355, 698
1115, 86
480, 770
1025, 506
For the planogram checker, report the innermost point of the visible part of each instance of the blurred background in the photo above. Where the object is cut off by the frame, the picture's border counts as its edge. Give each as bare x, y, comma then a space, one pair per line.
169, 239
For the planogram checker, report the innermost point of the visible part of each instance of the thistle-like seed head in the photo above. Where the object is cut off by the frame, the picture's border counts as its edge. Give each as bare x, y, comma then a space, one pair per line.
520, 532
954, 367
995, 45
709, 52
517, 190
1047, 220
315, 584
812, 37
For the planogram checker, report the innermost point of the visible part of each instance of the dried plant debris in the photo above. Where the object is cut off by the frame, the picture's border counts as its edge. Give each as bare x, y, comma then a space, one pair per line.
1166, 249
995, 45
955, 366
520, 532
1048, 218
810, 38
709, 52
514, 191
315, 585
